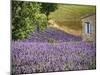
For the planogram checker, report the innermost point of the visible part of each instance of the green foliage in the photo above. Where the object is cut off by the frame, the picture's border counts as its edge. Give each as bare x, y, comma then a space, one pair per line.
40, 22
28, 16
24, 16
48, 7
93, 63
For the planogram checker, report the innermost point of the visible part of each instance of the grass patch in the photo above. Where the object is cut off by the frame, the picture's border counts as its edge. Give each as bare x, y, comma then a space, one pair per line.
69, 15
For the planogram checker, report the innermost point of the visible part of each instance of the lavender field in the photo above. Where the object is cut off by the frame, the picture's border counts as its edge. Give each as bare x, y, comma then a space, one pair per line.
51, 35
52, 50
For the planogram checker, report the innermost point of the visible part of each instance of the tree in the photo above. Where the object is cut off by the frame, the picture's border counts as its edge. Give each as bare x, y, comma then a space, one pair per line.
40, 22
47, 8
25, 17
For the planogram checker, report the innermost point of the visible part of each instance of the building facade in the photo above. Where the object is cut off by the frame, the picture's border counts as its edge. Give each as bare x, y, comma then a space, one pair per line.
89, 27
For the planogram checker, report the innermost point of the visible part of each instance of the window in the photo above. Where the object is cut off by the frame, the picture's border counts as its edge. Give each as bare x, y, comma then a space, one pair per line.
87, 27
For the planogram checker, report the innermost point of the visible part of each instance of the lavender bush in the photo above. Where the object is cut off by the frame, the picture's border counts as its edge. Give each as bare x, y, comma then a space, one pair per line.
51, 34
39, 53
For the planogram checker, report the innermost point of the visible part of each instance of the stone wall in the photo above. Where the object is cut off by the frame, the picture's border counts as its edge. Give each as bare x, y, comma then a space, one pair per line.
89, 36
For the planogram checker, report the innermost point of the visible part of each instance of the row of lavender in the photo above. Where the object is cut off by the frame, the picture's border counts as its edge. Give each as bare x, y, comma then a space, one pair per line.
31, 57
51, 35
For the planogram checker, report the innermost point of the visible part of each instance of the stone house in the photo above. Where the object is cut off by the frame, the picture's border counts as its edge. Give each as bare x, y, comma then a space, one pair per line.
89, 27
